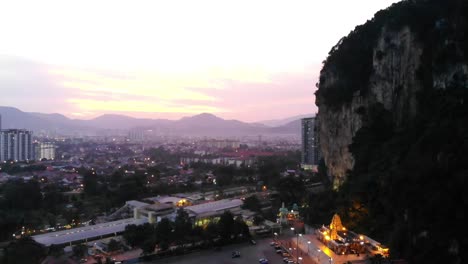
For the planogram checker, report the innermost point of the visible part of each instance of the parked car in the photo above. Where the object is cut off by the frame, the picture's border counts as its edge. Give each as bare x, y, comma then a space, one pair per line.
253, 242
286, 254
279, 251
263, 261
235, 254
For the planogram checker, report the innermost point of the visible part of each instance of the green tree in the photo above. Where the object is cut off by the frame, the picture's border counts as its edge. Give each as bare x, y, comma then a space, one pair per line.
210, 232
291, 190
90, 181
53, 200
15, 198
258, 220
245, 230
148, 246
270, 168
224, 175
130, 189
24, 251
240, 228
164, 233
226, 225
114, 245
252, 203
182, 226
135, 235
56, 250
80, 250
116, 178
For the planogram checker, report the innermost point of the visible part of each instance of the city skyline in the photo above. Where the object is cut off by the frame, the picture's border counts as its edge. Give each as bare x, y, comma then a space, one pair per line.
242, 60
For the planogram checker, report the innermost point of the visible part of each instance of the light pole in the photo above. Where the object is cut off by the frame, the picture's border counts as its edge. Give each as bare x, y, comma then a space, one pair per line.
297, 244
292, 229
299, 260
297, 251
318, 255
308, 247
276, 236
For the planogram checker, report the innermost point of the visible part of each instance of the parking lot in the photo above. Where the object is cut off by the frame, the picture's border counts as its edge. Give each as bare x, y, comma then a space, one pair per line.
249, 254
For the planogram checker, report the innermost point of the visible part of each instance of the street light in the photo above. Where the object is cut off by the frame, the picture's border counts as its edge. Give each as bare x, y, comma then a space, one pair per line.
297, 244
299, 260
308, 247
318, 255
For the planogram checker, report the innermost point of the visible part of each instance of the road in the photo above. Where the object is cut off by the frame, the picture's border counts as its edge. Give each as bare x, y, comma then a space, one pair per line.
249, 254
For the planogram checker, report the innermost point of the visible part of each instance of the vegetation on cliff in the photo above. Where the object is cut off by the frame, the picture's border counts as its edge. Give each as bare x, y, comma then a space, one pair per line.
440, 25
407, 186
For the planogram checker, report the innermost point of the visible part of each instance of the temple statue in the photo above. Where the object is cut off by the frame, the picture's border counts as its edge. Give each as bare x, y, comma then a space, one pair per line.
283, 215
335, 226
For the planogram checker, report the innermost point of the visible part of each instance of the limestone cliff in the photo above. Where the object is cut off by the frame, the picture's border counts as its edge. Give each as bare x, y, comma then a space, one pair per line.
388, 63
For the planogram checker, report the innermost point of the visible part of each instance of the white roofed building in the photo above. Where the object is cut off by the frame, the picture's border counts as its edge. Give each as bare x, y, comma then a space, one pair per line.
202, 214
87, 233
207, 212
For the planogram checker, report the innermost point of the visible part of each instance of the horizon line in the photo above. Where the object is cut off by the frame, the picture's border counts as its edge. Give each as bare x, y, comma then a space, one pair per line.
158, 118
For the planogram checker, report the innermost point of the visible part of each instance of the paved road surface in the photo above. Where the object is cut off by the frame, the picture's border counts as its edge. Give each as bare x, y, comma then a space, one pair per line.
249, 254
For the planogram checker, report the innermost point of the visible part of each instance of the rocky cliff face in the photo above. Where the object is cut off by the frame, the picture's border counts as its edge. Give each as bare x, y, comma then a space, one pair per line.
393, 83
396, 78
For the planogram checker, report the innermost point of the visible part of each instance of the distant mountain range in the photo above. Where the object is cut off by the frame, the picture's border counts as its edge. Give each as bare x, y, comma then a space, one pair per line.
281, 122
198, 125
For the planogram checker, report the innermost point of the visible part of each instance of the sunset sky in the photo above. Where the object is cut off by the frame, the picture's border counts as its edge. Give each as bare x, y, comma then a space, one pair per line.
248, 60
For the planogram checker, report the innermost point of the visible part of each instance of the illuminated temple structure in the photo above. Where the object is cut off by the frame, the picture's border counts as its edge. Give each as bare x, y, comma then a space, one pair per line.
343, 241
287, 217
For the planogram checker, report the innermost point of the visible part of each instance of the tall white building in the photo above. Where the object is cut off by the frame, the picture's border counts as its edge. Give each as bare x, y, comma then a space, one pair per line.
16, 144
136, 135
309, 142
45, 150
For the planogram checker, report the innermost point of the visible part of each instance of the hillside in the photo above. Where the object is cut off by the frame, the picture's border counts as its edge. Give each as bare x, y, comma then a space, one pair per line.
282, 122
197, 125
393, 127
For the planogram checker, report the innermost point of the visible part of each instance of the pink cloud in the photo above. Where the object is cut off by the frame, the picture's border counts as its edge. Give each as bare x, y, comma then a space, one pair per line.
286, 95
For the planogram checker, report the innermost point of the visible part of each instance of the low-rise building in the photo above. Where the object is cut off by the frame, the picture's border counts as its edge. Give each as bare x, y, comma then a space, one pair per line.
87, 233
201, 214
